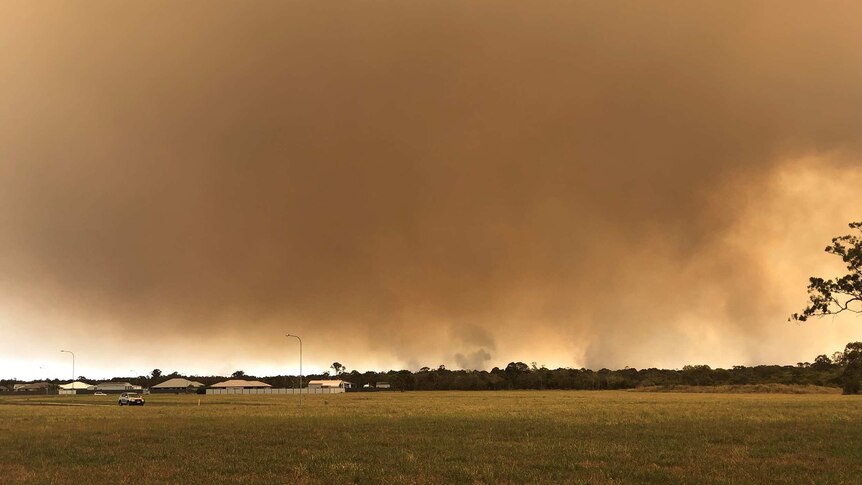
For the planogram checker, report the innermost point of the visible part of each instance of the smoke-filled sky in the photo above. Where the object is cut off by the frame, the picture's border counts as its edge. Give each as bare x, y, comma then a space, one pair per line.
407, 184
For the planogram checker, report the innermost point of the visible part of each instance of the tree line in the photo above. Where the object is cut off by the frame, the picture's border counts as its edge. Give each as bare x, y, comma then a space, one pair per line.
842, 369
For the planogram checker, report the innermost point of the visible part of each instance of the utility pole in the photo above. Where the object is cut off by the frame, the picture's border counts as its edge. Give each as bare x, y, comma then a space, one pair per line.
300, 365
73, 365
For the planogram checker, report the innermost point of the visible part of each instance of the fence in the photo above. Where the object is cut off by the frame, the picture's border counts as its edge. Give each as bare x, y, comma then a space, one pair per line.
39, 392
269, 390
66, 392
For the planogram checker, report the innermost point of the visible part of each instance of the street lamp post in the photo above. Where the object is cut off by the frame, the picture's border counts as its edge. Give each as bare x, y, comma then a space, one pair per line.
300, 365
73, 364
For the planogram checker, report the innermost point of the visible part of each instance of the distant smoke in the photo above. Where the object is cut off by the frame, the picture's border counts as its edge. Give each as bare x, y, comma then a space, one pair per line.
567, 182
474, 360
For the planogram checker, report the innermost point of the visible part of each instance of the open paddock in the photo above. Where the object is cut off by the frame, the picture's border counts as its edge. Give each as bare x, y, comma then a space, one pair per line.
434, 437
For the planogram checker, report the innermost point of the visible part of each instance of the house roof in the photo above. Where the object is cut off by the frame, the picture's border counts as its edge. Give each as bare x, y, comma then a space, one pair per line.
241, 383
113, 383
35, 385
75, 385
327, 383
177, 383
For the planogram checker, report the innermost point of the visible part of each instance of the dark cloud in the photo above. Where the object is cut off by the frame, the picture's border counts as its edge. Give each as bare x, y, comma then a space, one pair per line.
426, 180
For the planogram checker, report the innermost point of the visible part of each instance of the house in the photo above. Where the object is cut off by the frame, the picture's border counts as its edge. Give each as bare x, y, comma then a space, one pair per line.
240, 384
77, 386
176, 384
383, 385
329, 384
115, 387
3, 388
34, 387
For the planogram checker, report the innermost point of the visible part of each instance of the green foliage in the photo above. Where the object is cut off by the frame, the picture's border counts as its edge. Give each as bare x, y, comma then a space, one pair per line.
518, 375
822, 362
843, 294
851, 378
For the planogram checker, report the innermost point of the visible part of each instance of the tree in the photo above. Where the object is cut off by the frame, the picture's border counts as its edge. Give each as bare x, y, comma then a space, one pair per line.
337, 367
517, 368
844, 294
238, 373
156, 373
403, 380
697, 375
851, 379
514, 370
822, 362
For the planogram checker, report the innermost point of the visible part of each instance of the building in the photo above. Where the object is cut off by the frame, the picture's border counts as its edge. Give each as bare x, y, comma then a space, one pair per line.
115, 387
329, 384
176, 384
240, 384
75, 386
383, 385
34, 387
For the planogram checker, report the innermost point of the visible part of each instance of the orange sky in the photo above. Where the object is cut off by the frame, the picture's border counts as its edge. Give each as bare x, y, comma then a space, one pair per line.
468, 184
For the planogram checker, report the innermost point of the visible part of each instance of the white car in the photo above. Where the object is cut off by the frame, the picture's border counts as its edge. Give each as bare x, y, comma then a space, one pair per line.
131, 399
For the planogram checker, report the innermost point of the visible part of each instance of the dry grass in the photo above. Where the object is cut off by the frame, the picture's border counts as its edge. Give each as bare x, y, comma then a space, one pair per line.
745, 389
436, 437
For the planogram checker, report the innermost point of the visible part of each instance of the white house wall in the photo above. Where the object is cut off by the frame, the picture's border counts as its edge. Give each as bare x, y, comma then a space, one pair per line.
275, 391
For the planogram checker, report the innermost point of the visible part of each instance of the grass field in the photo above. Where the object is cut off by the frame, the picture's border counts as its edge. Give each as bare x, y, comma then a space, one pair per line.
435, 437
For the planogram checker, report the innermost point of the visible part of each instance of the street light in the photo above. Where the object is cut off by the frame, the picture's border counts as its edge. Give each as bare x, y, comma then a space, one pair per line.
300, 365
73, 364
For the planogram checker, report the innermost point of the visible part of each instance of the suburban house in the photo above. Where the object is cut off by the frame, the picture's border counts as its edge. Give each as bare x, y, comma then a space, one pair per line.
329, 384
115, 387
176, 384
3, 388
34, 387
240, 384
76, 386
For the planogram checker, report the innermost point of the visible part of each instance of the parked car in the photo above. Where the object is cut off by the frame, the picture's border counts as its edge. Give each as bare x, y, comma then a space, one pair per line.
99, 393
131, 399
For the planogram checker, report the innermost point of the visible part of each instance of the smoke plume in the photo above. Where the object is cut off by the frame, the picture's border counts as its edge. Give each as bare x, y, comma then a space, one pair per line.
571, 183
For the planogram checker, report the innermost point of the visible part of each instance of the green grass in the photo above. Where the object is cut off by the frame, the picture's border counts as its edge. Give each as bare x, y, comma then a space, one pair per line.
435, 437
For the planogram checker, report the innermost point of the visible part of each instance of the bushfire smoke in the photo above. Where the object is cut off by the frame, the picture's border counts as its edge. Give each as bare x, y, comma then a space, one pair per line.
404, 184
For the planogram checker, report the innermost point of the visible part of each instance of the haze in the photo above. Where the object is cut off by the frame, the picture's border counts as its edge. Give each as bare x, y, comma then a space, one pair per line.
575, 184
